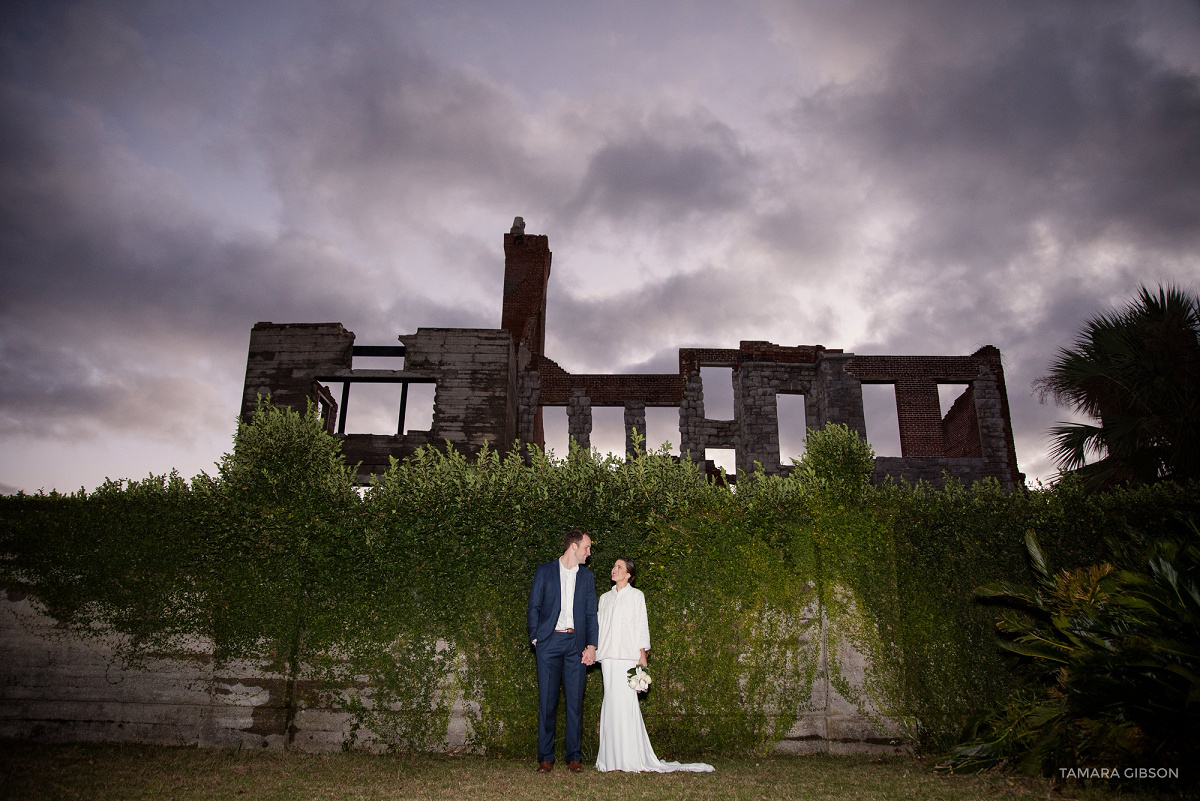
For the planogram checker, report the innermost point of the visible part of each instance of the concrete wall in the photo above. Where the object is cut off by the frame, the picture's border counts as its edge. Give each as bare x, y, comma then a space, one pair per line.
475, 400
56, 688
284, 358
474, 372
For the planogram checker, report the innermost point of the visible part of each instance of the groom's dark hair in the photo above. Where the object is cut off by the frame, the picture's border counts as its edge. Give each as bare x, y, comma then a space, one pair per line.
571, 537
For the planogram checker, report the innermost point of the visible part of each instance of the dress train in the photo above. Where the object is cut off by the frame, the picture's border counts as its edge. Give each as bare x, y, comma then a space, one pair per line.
624, 743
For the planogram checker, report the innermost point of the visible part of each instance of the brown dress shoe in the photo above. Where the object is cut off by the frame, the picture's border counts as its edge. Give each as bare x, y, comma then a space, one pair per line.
574, 766
545, 767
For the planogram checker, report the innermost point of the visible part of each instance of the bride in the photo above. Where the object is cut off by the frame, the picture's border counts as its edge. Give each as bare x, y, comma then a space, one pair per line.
624, 641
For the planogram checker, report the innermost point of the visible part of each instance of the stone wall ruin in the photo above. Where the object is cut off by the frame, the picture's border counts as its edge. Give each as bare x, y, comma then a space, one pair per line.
491, 385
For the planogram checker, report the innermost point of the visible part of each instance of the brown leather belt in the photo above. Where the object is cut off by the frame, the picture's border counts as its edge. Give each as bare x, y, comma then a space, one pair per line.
564, 631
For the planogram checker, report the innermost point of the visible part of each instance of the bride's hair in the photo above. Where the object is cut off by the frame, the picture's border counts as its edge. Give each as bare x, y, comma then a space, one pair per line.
630, 568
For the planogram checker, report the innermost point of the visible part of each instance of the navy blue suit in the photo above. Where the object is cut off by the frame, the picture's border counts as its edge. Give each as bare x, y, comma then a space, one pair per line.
559, 655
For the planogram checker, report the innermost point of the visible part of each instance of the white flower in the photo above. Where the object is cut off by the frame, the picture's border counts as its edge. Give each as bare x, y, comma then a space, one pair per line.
639, 679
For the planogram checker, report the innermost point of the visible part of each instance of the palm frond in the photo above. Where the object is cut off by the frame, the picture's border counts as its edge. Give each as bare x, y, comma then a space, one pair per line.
1136, 371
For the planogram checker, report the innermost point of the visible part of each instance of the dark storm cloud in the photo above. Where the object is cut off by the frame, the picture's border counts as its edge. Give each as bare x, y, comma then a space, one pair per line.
130, 58
65, 389
89, 231
355, 126
123, 302
1070, 125
711, 307
1058, 142
675, 169
806, 229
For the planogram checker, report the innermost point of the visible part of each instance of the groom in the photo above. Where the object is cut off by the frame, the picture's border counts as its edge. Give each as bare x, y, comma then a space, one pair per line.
562, 627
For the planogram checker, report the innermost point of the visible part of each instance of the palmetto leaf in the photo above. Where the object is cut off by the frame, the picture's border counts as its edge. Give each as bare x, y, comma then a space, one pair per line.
1038, 649
1037, 559
1072, 443
1014, 596
1113, 664
1136, 371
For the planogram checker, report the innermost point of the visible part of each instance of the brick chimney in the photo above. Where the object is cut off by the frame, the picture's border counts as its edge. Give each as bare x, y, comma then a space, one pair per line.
526, 277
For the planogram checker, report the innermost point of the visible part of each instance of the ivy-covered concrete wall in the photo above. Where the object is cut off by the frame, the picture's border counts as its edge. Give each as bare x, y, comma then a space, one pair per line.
812, 611
57, 688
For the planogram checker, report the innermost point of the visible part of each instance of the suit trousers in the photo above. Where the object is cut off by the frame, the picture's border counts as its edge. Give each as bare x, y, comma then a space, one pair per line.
559, 665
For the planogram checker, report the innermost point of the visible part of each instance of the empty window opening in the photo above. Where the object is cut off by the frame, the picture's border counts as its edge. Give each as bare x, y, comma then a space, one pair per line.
792, 432
335, 390
948, 394
662, 426
374, 407
378, 363
883, 422
960, 426
418, 411
326, 407
554, 426
722, 458
608, 430
369, 408
718, 392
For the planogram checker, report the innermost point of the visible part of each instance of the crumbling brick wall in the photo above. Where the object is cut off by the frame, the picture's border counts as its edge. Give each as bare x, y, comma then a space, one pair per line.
977, 428
960, 427
475, 397
973, 441
580, 392
527, 260
491, 387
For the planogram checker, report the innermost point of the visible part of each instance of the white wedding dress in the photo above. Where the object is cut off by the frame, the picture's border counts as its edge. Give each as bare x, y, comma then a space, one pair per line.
624, 743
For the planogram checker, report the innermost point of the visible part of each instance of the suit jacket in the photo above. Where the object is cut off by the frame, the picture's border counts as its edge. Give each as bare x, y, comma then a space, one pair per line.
545, 603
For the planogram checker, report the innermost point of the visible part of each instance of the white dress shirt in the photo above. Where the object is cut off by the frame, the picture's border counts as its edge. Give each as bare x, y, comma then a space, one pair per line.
566, 585
624, 627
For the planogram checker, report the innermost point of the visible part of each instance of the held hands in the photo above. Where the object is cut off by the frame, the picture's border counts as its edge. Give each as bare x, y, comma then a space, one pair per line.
589, 655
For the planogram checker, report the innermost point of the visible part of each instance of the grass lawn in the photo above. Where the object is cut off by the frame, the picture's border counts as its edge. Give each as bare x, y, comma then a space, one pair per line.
128, 772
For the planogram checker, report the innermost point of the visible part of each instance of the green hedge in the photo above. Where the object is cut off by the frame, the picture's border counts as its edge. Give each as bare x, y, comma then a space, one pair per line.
417, 585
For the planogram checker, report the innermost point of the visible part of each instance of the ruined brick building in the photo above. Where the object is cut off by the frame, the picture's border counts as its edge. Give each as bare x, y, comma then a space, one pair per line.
491, 385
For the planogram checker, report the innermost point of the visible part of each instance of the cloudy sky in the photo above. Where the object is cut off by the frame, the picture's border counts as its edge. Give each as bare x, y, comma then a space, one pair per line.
900, 177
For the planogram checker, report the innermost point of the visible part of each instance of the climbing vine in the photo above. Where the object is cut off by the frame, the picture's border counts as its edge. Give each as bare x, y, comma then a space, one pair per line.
397, 601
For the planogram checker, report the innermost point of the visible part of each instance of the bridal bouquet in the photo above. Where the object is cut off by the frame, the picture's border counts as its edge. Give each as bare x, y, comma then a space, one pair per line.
639, 679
